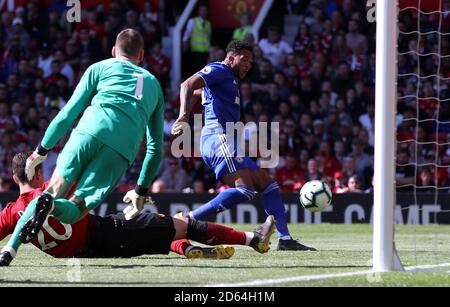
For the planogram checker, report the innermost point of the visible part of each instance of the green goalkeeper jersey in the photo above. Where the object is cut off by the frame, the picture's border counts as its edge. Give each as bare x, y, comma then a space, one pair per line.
126, 101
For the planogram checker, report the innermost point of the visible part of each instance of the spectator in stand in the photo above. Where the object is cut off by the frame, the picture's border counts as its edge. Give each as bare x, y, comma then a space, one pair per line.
331, 123
349, 168
263, 77
426, 183
149, 19
53, 100
275, 50
159, 64
339, 49
345, 134
169, 120
198, 187
339, 183
330, 165
367, 174
319, 130
343, 79
88, 45
54, 74
354, 37
45, 60
5, 184
65, 68
175, 178
291, 176
95, 28
370, 190
244, 28
354, 185
303, 38
158, 187
249, 38
361, 158
405, 172
310, 143
312, 172
197, 39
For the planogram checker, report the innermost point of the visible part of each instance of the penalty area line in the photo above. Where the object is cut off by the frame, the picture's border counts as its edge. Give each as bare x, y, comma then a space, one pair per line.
273, 281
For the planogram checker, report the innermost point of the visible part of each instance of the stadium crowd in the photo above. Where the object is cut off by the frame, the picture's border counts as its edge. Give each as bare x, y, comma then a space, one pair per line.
320, 89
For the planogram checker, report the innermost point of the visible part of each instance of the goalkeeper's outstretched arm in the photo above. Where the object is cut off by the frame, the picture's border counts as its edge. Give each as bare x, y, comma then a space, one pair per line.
155, 147
83, 93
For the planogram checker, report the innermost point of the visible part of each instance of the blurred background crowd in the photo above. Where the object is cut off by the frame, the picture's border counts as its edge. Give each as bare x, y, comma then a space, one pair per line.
319, 86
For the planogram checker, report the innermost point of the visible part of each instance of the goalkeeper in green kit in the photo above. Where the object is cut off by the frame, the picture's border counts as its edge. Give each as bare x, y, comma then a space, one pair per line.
126, 102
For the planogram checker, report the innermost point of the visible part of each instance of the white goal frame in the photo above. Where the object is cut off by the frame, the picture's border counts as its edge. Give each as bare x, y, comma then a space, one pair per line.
385, 257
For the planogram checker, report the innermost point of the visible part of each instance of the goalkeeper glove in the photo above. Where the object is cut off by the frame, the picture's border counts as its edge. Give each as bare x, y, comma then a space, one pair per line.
136, 202
35, 159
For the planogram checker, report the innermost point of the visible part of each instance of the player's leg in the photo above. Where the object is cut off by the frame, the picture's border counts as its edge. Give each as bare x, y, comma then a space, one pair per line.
271, 200
99, 178
36, 212
216, 234
79, 150
185, 248
221, 157
241, 191
182, 246
273, 205
96, 167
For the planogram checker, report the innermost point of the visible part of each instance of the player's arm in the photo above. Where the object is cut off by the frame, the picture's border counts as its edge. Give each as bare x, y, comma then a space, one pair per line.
6, 222
152, 160
155, 146
83, 93
190, 93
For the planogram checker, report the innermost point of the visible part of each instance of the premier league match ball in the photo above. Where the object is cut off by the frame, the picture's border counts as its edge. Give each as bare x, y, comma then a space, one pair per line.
315, 196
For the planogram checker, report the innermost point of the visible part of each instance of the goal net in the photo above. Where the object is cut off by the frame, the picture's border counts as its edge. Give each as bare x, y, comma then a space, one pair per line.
422, 124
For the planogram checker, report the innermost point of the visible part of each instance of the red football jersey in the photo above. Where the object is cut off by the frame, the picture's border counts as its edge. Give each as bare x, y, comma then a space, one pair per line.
56, 239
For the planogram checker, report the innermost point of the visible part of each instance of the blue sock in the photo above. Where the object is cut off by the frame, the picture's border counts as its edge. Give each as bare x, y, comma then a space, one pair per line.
271, 199
224, 201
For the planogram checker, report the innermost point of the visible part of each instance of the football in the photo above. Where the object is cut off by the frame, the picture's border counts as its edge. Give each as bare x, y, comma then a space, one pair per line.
315, 196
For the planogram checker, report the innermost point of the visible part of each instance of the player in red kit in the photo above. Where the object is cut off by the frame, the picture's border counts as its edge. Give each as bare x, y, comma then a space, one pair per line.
115, 237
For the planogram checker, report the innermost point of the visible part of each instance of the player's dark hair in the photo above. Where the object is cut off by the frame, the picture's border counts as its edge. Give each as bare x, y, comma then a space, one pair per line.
237, 46
130, 42
18, 166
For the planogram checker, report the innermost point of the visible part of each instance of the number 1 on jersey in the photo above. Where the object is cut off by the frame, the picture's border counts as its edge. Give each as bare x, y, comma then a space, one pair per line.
139, 86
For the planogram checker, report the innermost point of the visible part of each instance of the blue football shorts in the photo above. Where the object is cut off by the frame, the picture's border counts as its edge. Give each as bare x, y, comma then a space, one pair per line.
223, 156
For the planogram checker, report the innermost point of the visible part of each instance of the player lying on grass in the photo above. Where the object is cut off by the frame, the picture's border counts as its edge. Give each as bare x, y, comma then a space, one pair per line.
122, 103
115, 237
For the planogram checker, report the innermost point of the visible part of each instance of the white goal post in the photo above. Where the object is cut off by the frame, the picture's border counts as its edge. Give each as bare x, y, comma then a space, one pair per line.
385, 257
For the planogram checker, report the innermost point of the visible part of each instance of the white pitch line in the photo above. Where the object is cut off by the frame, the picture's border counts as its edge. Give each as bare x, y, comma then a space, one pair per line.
263, 282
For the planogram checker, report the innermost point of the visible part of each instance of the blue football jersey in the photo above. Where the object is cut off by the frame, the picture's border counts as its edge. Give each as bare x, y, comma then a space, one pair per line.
221, 98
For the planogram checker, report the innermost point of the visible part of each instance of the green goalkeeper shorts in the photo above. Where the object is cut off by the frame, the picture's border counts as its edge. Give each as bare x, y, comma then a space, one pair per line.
96, 167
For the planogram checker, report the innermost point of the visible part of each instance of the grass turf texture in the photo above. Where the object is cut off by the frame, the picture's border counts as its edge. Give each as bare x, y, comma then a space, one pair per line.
342, 249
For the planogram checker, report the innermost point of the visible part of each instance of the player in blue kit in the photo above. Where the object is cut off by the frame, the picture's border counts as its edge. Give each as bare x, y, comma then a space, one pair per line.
219, 82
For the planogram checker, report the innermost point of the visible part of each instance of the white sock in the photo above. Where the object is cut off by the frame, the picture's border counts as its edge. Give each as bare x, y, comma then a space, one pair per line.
286, 238
249, 237
10, 250
186, 252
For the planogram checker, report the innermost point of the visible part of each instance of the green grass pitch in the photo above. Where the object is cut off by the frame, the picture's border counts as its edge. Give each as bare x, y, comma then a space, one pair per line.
342, 249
